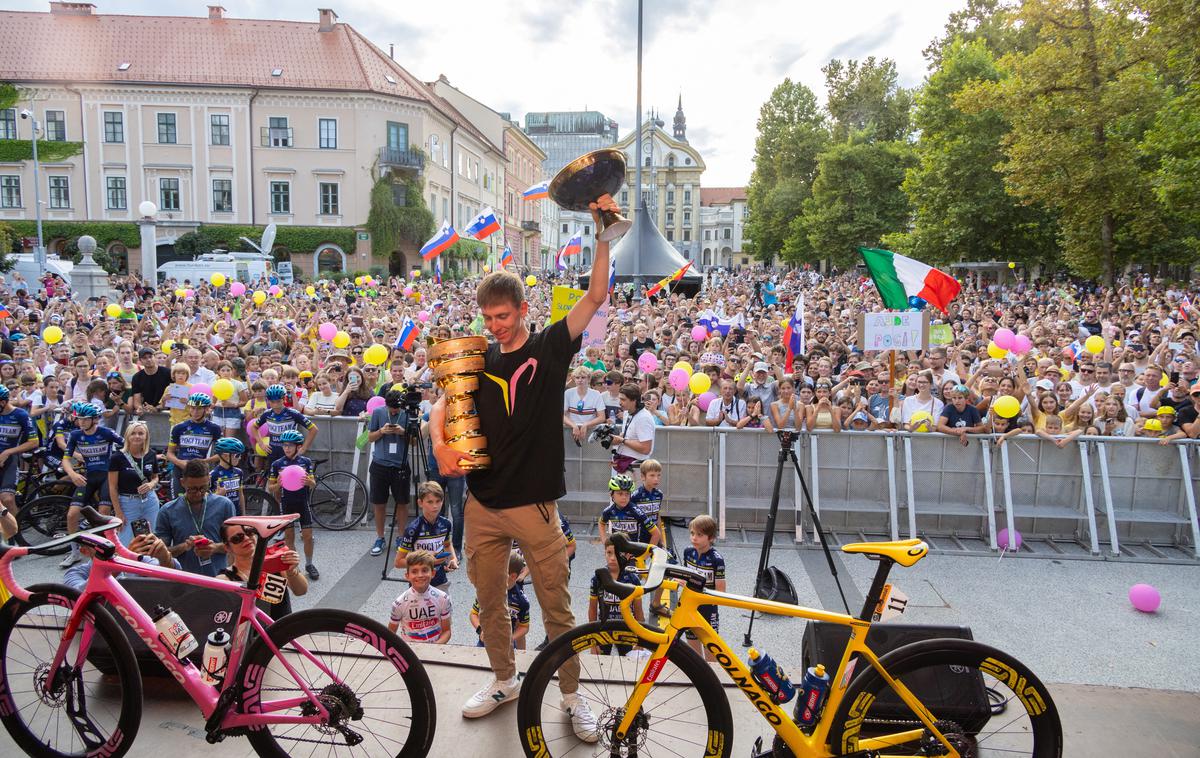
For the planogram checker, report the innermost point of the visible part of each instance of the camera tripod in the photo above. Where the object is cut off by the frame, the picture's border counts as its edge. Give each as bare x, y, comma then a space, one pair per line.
418, 465
787, 438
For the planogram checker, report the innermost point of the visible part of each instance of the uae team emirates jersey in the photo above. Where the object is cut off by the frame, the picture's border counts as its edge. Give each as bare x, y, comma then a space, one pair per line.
520, 411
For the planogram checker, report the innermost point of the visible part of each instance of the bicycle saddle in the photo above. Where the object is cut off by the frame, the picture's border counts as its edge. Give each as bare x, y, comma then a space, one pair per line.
264, 526
904, 552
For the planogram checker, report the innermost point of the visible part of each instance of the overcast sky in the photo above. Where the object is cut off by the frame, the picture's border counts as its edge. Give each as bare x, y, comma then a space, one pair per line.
724, 56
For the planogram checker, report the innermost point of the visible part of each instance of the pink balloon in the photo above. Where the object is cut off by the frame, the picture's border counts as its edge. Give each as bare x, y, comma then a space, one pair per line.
423, 316
408, 291
1003, 338
647, 362
1008, 541
1022, 344
202, 388
327, 331
1145, 598
705, 400
189, 293
375, 403
237, 289
699, 333
292, 477
250, 430
274, 290
678, 379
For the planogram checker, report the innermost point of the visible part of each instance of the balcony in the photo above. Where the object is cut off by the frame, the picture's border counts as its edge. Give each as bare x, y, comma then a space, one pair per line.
394, 157
530, 227
277, 136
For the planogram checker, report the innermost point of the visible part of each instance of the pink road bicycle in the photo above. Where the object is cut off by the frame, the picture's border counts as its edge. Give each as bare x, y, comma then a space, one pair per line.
316, 682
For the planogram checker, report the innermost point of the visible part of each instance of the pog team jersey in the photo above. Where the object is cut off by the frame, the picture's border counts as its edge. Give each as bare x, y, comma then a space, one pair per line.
518, 607
63, 427
16, 428
608, 608
630, 520
193, 440
711, 565
96, 448
650, 502
421, 615
566, 530
286, 495
275, 424
435, 538
229, 479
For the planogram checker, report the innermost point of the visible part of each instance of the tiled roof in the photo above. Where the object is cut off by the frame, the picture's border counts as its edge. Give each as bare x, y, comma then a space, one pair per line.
721, 195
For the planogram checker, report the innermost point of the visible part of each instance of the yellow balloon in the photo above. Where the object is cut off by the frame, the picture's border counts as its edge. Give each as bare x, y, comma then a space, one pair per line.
1094, 344
995, 351
222, 389
113, 310
699, 383
341, 340
531, 280
310, 290
784, 323
52, 335
358, 280
685, 366
217, 279
260, 297
1006, 406
279, 293
1011, 264
1162, 381
487, 268
399, 387
375, 355
167, 345
180, 292
416, 274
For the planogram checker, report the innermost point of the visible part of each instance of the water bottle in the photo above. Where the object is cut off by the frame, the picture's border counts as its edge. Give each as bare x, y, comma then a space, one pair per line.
771, 676
216, 656
172, 632
814, 688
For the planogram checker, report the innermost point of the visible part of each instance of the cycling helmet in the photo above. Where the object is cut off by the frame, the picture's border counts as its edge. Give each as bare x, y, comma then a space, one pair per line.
276, 392
199, 400
292, 436
3, 393
86, 410
622, 482
230, 446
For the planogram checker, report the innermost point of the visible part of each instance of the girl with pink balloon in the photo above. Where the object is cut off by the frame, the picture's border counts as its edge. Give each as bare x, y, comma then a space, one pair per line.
290, 480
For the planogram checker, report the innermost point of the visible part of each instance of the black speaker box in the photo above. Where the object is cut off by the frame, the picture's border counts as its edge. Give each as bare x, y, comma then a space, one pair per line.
949, 694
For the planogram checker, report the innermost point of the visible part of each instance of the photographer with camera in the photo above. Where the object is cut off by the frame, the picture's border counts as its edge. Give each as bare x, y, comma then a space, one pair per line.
633, 441
389, 473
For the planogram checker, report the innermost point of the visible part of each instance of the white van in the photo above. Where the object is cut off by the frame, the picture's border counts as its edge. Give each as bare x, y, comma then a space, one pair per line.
243, 267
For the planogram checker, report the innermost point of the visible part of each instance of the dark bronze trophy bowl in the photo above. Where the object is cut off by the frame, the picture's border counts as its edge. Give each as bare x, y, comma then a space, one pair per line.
583, 180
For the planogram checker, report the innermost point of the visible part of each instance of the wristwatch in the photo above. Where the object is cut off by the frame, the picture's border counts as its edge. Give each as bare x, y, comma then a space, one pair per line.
3, 511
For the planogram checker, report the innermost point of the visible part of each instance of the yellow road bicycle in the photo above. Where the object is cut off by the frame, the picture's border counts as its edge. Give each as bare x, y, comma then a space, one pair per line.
652, 695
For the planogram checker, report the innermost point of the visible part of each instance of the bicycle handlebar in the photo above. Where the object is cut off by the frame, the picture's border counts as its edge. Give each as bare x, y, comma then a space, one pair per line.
629, 593
110, 526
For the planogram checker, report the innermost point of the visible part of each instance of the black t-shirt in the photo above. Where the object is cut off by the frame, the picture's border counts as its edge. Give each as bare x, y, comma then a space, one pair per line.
956, 419
520, 412
1186, 415
637, 347
127, 479
151, 386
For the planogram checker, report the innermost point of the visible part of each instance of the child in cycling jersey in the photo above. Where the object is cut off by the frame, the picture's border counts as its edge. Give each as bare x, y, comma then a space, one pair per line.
422, 612
429, 532
90, 446
226, 478
518, 605
295, 501
622, 516
702, 557
192, 439
604, 606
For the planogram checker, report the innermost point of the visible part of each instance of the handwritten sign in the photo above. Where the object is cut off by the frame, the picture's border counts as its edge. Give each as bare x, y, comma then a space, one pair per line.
893, 330
562, 299
597, 329
941, 334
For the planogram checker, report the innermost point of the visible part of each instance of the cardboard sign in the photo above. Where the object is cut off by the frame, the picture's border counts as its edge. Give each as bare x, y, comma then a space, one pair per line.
597, 329
562, 299
893, 330
941, 334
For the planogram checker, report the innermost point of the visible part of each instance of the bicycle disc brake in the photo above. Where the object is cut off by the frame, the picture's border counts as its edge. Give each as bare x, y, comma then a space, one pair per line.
634, 740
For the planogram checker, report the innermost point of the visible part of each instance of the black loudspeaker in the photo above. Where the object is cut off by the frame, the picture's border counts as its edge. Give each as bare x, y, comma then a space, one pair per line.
775, 585
948, 692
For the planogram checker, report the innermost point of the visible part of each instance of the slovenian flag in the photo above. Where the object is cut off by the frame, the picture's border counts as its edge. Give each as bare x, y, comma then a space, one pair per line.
437, 270
793, 336
612, 274
559, 263
484, 225
899, 278
1184, 304
669, 279
537, 191
408, 335
506, 258
440, 242
574, 246
720, 324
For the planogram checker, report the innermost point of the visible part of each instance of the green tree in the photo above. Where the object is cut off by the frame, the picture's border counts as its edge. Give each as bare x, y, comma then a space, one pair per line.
392, 224
197, 243
791, 134
960, 207
1079, 104
864, 101
985, 21
8, 241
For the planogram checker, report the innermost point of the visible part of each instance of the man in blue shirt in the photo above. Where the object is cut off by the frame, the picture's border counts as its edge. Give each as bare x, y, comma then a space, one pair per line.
191, 523
192, 440
389, 472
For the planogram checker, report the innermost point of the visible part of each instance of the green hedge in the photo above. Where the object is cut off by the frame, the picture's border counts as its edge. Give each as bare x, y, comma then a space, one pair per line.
14, 150
105, 232
298, 239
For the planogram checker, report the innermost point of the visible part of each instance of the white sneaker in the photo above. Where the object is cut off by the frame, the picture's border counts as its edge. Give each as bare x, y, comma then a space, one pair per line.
71, 559
583, 721
490, 697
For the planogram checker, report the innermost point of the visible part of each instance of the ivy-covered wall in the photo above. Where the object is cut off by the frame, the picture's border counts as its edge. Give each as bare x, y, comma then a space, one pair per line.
296, 238
105, 232
15, 150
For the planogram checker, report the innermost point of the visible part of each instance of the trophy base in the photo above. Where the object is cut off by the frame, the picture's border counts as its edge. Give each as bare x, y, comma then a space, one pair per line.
615, 231
481, 464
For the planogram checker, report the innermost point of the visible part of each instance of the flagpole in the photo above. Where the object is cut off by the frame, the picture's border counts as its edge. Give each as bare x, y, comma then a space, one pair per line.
637, 158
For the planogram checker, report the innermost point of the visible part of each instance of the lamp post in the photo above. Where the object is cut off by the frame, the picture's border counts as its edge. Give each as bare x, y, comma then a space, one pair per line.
39, 252
149, 253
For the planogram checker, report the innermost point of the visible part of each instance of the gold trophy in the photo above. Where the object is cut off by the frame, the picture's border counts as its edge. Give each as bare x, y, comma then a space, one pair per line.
584, 180
456, 364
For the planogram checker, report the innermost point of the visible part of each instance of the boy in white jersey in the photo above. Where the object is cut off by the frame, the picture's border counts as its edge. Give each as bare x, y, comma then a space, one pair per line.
421, 613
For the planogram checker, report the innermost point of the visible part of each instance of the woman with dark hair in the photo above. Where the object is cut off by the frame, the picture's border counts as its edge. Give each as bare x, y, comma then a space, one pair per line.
278, 588
353, 400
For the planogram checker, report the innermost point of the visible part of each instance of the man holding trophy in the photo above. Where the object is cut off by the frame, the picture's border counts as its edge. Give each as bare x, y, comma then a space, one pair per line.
510, 445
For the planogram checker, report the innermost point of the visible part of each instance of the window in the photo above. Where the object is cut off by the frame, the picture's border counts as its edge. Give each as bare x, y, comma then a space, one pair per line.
745, 261
728, 233
115, 196
671, 160
687, 197
670, 218
397, 136
624, 197
56, 126
166, 129
708, 234
327, 134
670, 235
587, 229
278, 132
687, 218
435, 149
222, 195
687, 235
60, 192
329, 199
168, 194
218, 128
670, 197
647, 163
10, 191
445, 208
564, 229
281, 197
432, 202
114, 126
8, 123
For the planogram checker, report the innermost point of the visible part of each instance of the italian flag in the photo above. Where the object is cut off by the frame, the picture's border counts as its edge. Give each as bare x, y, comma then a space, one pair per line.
898, 278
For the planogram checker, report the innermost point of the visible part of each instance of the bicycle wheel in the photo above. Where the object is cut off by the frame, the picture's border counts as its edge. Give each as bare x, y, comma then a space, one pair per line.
339, 501
987, 703
42, 520
48, 486
373, 685
686, 713
92, 709
259, 502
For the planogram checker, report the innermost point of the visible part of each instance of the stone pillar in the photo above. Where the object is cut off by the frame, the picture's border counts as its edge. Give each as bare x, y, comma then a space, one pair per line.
88, 280
149, 243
